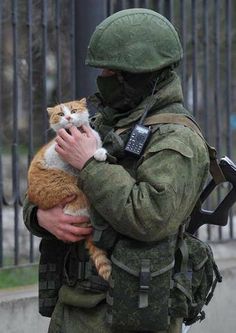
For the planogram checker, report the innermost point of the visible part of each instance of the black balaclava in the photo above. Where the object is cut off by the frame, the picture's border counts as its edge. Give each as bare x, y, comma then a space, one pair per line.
123, 91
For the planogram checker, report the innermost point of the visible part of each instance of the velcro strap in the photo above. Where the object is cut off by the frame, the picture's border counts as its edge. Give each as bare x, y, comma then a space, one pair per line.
144, 282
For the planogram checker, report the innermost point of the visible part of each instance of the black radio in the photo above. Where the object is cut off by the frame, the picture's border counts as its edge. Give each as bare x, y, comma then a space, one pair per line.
138, 139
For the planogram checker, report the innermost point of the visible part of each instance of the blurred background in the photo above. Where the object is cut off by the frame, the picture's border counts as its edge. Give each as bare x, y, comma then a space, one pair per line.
42, 52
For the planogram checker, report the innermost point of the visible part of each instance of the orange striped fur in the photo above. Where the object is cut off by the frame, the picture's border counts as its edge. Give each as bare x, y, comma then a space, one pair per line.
50, 180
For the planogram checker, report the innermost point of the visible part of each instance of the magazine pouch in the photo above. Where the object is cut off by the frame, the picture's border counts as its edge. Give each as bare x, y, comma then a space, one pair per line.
138, 296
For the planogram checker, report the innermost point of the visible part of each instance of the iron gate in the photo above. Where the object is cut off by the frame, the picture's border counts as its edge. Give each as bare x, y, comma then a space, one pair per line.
42, 51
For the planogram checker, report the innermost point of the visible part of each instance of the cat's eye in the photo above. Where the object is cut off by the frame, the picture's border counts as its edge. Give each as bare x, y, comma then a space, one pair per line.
61, 114
73, 111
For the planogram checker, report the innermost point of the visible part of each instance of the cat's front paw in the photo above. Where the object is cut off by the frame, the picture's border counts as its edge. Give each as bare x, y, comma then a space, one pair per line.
100, 154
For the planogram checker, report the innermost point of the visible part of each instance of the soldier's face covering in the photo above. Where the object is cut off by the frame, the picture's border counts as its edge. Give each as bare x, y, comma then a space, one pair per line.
115, 93
124, 91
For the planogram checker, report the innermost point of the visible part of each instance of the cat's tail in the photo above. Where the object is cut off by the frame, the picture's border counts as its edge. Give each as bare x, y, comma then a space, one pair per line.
99, 257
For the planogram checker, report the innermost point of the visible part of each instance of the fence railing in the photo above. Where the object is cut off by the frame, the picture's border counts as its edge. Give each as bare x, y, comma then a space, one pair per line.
42, 51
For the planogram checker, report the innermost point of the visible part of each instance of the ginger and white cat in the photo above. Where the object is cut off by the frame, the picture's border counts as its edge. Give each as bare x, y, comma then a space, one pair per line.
51, 180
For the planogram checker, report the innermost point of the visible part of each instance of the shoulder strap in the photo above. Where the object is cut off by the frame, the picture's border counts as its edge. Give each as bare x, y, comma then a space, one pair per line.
173, 118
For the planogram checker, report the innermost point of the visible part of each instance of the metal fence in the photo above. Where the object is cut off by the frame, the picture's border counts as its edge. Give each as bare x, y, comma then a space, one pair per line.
42, 51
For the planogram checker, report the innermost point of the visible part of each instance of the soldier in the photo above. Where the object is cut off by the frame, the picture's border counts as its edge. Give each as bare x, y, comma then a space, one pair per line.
141, 197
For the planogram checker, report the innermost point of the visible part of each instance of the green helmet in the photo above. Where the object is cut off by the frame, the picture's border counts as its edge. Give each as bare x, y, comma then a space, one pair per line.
134, 40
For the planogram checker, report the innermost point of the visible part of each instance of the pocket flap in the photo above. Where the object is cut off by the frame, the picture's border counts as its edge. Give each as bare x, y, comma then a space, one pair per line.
137, 272
128, 256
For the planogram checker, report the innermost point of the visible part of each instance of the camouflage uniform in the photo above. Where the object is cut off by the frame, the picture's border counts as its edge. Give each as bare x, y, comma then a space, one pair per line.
144, 198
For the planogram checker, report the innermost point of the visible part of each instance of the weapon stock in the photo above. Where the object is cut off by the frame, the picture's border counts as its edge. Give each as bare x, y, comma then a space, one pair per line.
219, 216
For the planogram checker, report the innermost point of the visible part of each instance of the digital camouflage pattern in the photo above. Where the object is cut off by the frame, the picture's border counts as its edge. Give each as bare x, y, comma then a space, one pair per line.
140, 301
160, 189
144, 302
70, 319
115, 46
145, 199
192, 290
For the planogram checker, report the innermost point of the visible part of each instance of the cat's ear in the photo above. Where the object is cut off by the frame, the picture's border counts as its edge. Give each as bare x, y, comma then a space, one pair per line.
83, 102
50, 111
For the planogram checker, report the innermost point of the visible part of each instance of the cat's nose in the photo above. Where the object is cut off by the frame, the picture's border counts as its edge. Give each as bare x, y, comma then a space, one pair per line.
68, 117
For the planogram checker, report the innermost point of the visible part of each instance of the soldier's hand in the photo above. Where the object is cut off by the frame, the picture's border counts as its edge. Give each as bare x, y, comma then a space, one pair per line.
63, 226
76, 148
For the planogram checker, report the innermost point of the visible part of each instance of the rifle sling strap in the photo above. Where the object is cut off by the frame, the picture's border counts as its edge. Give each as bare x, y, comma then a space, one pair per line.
173, 118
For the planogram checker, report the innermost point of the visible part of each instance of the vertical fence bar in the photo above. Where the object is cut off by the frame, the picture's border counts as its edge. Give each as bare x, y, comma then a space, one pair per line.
124, 4
1, 145
110, 7
217, 88
44, 67
87, 17
58, 48
30, 104
158, 6
228, 20
205, 67
168, 9
184, 61
205, 82
194, 65
228, 73
15, 159
72, 47
217, 76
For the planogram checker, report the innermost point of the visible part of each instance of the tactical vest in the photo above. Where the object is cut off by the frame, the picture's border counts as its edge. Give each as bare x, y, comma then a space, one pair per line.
150, 282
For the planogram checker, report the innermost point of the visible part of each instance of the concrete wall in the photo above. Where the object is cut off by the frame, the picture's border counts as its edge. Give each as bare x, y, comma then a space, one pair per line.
19, 311
19, 308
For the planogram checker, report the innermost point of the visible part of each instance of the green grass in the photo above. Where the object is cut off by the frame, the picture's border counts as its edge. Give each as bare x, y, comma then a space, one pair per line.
20, 276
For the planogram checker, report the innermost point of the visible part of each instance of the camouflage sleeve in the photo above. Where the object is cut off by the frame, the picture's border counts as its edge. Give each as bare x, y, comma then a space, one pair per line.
152, 205
31, 222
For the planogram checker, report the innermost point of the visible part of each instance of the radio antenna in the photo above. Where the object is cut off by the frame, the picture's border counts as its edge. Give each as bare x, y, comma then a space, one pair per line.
149, 105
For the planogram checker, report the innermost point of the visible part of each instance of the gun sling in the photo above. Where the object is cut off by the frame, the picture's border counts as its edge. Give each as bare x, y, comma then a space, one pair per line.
173, 118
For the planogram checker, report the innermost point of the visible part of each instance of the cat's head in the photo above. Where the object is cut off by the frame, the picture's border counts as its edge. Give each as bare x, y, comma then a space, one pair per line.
65, 115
